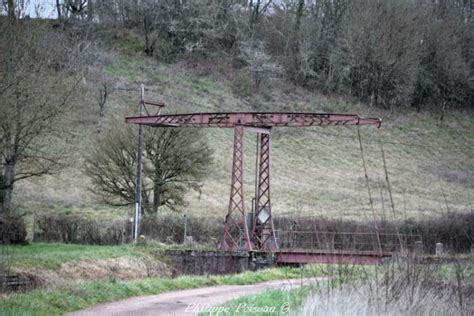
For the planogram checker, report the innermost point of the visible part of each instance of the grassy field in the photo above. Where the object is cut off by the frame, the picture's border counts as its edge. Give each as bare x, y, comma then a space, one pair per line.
51, 256
315, 171
79, 295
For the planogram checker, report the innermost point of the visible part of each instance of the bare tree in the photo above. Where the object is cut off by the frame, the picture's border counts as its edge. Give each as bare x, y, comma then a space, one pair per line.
257, 9
76, 7
34, 94
174, 161
103, 88
11, 9
59, 9
103, 91
295, 42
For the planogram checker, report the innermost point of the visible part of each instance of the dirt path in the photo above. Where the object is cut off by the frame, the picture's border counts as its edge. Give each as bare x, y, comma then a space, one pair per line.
185, 302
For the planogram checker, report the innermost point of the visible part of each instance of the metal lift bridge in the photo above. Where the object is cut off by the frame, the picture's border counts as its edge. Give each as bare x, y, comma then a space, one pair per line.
237, 235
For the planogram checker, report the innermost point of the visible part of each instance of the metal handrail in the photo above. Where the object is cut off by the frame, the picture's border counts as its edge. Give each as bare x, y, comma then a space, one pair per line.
345, 240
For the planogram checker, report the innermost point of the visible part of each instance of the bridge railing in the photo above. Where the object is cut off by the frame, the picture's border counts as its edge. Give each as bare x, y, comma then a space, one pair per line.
355, 241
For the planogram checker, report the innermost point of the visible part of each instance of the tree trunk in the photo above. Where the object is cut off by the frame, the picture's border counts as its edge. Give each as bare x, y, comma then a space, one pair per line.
58, 9
296, 40
156, 184
90, 10
1, 193
11, 9
156, 196
148, 42
7, 187
254, 16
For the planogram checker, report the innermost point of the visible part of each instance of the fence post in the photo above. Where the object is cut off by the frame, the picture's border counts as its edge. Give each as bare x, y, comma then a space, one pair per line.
439, 249
33, 227
185, 224
418, 247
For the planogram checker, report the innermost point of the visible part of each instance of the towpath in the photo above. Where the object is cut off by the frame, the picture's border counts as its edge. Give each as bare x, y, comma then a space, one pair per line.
188, 302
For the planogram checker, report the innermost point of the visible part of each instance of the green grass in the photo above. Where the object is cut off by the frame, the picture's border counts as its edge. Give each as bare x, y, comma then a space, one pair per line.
51, 256
79, 295
124, 66
282, 301
270, 302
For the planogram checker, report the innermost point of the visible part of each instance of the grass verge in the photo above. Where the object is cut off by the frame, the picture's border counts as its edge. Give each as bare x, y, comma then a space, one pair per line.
79, 295
270, 302
51, 256
284, 301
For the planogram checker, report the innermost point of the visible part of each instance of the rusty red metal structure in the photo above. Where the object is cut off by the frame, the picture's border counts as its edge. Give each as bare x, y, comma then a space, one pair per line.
253, 119
237, 235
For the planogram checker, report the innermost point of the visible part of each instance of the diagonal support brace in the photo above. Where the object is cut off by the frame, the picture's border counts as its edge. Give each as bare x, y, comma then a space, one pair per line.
263, 233
236, 233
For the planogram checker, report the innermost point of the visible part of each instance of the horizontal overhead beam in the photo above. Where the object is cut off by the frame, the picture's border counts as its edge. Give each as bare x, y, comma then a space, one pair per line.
258, 130
253, 119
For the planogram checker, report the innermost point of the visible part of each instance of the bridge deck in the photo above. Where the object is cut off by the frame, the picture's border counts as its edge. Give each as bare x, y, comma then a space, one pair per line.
302, 256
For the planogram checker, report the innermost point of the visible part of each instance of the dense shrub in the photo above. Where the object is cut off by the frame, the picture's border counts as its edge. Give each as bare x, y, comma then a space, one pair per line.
387, 53
74, 229
455, 230
170, 228
12, 230
163, 227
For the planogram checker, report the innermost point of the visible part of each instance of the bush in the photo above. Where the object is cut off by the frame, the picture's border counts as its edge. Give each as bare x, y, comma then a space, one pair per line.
163, 227
454, 230
243, 85
170, 228
12, 229
74, 229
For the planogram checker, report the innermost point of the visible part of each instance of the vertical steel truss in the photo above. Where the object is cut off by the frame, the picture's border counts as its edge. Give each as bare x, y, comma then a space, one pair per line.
236, 233
263, 233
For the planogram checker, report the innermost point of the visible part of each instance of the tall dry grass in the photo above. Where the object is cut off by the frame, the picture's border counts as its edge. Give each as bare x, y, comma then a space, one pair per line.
400, 287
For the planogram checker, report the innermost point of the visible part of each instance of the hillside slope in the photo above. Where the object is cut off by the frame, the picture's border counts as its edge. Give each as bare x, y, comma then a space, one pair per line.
315, 171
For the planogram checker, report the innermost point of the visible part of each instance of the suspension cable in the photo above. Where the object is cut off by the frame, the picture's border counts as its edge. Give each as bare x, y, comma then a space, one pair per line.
371, 202
389, 188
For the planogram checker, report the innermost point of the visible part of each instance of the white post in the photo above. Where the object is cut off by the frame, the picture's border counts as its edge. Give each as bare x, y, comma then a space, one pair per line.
185, 224
138, 195
439, 249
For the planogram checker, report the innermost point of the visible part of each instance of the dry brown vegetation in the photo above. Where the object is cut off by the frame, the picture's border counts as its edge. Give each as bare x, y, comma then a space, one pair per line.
399, 287
455, 231
315, 171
